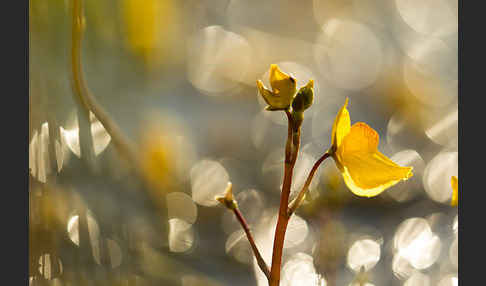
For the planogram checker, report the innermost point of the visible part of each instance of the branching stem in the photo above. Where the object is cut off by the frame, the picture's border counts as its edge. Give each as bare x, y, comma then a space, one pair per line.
259, 258
291, 152
300, 197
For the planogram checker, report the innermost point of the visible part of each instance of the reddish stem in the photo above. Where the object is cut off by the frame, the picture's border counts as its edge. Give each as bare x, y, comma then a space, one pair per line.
259, 258
300, 197
293, 139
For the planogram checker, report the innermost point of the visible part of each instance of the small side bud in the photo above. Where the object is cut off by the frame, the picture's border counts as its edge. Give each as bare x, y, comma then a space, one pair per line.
227, 200
304, 97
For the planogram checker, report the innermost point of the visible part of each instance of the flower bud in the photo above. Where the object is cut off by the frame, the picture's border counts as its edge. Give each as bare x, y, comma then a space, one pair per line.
304, 97
227, 200
283, 89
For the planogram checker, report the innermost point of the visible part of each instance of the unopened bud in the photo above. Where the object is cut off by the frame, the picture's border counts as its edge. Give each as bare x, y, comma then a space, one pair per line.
227, 200
304, 97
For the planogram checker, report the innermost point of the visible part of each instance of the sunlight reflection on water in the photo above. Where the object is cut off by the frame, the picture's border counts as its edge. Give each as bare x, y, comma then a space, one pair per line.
213, 53
349, 54
437, 176
208, 180
416, 243
365, 252
101, 138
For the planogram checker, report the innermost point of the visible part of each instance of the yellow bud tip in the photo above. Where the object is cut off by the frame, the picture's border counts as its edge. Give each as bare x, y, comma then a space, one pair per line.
228, 193
227, 199
310, 84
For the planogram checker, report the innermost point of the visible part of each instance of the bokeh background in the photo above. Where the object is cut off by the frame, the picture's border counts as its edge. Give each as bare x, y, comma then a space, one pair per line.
178, 77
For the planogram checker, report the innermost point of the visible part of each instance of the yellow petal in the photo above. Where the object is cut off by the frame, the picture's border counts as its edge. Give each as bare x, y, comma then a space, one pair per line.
283, 85
274, 102
360, 138
266, 94
368, 175
365, 170
341, 126
455, 194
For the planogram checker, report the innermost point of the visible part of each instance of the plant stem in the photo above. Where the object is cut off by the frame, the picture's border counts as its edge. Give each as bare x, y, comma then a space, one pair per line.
259, 258
293, 139
84, 126
83, 94
300, 197
288, 144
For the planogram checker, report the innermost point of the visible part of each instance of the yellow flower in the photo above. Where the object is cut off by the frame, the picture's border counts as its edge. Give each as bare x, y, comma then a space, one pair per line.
455, 194
283, 89
365, 170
